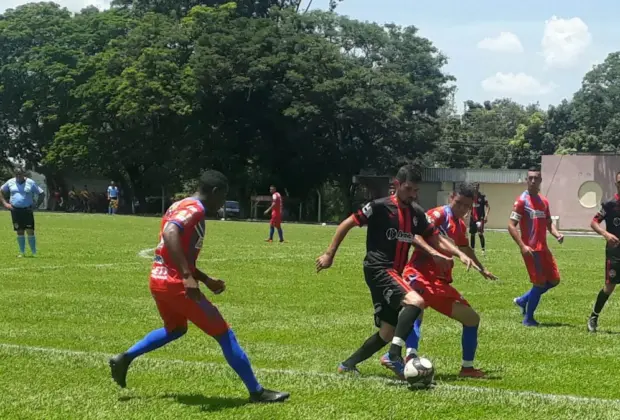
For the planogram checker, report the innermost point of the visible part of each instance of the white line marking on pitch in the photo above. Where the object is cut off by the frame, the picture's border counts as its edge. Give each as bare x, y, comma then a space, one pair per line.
474, 389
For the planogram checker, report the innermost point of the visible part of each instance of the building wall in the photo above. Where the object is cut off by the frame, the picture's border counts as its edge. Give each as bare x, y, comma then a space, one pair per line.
575, 186
427, 195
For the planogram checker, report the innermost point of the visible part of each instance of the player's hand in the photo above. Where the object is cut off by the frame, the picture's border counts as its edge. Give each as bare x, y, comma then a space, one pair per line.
324, 261
215, 285
192, 290
8, 206
488, 275
486, 220
526, 250
560, 238
612, 240
468, 262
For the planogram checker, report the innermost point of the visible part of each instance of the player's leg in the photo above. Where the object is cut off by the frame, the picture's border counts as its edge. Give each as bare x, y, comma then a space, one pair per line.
611, 279
473, 229
399, 291
481, 235
19, 228
278, 225
413, 341
544, 277
272, 229
175, 326
420, 284
466, 315
29, 224
208, 318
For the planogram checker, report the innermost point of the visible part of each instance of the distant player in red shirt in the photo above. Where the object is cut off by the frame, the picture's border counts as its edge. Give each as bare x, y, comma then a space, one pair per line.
532, 215
276, 214
174, 287
436, 287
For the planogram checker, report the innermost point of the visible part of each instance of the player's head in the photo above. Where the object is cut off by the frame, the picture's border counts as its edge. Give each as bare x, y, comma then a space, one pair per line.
272, 189
618, 181
534, 179
112, 183
476, 186
462, 199
212, 188
406, 184
20, 175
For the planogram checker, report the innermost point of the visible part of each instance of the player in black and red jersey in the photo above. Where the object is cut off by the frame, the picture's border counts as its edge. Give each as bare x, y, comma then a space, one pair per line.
392, 224
610, 214
480, 210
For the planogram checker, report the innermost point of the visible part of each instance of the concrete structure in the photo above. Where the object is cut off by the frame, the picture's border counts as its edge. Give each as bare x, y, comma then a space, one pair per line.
576, 184
501, 186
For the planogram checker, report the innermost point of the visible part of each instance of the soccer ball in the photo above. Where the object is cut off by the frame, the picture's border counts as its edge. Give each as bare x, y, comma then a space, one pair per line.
419, 372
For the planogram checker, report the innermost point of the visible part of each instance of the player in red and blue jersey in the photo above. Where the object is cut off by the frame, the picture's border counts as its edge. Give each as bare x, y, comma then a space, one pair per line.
174, 287
532, 215
435, 286
276, 209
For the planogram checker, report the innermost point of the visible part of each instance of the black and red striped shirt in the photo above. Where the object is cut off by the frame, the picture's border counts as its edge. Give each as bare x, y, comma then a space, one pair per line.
391, 229
610, 214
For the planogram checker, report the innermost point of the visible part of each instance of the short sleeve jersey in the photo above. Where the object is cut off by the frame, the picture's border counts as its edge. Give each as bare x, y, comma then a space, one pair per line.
442, 219
189, 216
532, 212
610, 214
391, 229
276, 200
478, 207
24, 194
113, 191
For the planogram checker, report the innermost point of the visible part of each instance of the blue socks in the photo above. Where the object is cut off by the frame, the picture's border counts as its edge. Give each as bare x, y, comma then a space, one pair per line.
271, 231
21, 241
152, 341
532, 299
238, 360
469, 342
280, 234
32, 242
413, 341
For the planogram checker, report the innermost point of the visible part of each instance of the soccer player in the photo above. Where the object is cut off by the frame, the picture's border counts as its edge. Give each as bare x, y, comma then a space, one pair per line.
112, 198
436, 288
479, 217
532, 215
392, 223
276, 214
610, 214
25, 196
174, 287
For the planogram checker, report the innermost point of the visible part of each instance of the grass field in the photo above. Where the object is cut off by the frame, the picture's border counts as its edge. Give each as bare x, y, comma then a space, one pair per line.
85, 297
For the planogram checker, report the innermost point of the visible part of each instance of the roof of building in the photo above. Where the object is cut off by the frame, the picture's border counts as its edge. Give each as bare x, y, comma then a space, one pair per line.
489, 176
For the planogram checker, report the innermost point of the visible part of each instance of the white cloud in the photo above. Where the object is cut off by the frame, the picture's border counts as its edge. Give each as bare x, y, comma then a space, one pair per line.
72, 5
564, 41
505, 42
519, 84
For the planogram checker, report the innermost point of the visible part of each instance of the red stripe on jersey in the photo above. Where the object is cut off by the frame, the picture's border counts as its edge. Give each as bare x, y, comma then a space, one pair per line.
398, 278
399, 244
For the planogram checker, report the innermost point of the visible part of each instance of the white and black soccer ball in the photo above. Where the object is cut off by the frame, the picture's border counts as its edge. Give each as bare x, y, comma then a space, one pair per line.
419, 372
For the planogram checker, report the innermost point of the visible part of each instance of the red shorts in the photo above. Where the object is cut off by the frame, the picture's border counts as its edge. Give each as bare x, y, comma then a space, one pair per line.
276, 221
541, 267
436, 293
176, 309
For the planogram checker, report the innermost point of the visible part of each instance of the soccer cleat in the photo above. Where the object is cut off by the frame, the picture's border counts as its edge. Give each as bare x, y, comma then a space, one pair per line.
119, 366
348, 370
269, 240
470, 372
20, 255
530, 323
396, 365
520, 305
268, 396
592, 324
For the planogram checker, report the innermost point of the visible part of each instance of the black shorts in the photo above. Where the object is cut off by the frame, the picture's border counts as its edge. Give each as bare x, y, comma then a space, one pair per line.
387, 289
612, 268
473, 227
22, 219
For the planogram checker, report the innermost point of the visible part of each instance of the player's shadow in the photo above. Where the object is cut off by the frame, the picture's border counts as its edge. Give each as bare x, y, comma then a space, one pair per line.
454, 377
554, 325
608, 332
206, 404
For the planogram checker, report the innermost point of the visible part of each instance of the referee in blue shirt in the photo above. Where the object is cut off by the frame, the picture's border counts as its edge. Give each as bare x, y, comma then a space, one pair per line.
25, 195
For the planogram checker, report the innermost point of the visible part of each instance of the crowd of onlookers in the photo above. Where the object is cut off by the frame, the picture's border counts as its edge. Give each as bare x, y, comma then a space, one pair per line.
74, 200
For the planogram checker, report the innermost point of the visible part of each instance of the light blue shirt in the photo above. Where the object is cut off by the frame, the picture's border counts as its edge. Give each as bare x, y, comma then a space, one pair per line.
22, 195
113, 191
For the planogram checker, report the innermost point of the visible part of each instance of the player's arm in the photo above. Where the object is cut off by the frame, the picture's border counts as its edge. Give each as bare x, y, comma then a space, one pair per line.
487, 210
447, 246
596, 226
215, 285
551, 227
273, 204
40, 195
5, 190
172, 240
515, 217
326, 260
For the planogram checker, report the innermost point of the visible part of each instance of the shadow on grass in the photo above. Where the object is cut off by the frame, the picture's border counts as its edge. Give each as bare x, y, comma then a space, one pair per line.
554, 325
206, 404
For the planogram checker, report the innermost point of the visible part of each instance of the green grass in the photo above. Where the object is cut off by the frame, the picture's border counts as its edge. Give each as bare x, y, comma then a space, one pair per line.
86, 297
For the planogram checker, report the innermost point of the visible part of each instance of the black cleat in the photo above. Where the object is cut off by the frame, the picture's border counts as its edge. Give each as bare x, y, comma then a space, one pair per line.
268, 396
119, 366
592, 324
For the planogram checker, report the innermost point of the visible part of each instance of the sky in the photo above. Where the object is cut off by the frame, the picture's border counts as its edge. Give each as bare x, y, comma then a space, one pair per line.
530, 51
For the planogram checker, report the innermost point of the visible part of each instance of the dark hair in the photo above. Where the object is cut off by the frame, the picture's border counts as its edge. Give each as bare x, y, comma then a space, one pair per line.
212, 179
466, 189
20, 171
534, 169
408, 173
617, 173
